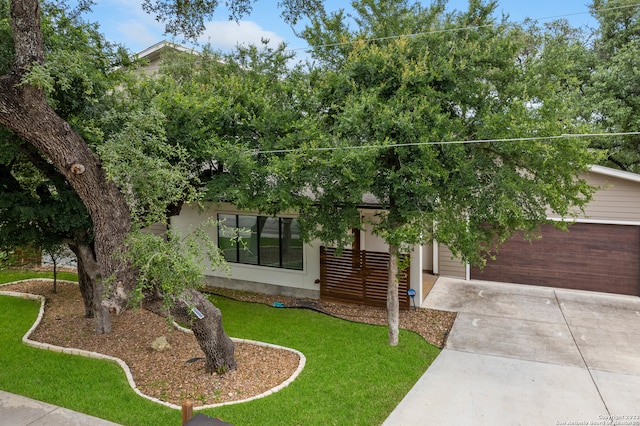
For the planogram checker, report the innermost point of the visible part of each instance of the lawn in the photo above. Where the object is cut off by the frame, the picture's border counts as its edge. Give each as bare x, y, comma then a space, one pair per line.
11, 275
352, 376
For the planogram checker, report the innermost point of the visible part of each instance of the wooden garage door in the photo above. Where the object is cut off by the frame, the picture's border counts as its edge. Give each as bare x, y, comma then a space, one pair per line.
589, 257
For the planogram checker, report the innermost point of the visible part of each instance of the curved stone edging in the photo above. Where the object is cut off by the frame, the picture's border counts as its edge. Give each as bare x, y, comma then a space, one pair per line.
301, 364
125, 367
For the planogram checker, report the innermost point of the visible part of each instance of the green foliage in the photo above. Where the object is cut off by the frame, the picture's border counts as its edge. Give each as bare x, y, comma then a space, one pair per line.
188, 18
150, 172
5, 258
36, 204
172, 264
6, 38
611, 98
385, 109
81, 66
55, 251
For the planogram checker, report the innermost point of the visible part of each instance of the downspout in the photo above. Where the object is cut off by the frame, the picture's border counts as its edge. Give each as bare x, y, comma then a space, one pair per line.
436, 257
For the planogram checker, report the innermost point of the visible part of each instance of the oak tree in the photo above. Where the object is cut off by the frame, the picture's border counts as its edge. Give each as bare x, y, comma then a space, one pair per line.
448, 119
32, 113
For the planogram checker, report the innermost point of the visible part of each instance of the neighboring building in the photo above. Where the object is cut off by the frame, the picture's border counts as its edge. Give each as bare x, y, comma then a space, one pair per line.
153, 55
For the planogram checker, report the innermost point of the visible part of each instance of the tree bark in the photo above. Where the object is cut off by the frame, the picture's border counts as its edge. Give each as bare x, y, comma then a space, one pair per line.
86, 288
393, 302
217, 346
25, 110
93, 288
55, 274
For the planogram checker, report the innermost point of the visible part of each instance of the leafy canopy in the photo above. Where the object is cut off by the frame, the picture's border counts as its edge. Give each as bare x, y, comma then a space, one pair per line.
612, 101
385, 110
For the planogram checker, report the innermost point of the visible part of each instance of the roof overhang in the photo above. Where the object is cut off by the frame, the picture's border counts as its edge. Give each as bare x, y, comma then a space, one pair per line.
608, 171
154, 51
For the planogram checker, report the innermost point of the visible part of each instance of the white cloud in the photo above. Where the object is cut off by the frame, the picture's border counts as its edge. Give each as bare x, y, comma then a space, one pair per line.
138, 34
226, 35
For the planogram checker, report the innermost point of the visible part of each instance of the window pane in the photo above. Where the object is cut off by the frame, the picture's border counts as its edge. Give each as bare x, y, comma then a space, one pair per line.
248, 229
270, 241
291, 244
226, 242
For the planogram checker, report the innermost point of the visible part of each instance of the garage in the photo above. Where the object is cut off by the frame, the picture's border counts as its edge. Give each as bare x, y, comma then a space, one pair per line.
590, 256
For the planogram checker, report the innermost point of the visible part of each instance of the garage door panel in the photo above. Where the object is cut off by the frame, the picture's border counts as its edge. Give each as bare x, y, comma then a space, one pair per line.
540, 261
589, 257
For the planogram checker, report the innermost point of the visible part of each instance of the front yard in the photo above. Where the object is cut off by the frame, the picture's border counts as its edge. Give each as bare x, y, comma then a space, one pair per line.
351, 377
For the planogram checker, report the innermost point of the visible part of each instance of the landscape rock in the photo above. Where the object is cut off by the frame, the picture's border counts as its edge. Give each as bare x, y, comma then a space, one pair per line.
160, 344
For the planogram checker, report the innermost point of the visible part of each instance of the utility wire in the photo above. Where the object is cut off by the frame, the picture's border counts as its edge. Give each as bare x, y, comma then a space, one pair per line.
457, 142
449, 30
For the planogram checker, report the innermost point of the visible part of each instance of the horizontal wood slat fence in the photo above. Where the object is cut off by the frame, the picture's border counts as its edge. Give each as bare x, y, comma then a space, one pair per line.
358, 277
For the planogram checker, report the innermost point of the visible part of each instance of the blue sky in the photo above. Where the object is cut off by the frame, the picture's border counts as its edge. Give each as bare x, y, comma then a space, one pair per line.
124, 22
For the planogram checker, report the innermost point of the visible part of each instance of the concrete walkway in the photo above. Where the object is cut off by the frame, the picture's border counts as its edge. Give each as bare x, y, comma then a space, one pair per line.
21, 411
525, 355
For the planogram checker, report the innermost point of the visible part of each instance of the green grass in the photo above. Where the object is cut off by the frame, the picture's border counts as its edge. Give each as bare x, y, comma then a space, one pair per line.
10, 275
91, 386
352, 376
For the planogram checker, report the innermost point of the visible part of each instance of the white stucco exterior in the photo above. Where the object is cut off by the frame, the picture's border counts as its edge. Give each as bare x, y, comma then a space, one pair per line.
255, 277
278, 280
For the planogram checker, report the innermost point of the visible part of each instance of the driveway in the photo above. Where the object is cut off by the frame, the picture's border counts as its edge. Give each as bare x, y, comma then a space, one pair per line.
525, 355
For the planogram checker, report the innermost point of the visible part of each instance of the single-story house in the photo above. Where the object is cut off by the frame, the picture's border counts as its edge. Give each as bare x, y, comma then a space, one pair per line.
601, 252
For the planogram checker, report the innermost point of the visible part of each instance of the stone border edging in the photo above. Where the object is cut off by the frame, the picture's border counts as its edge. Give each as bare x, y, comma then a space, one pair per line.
125, 367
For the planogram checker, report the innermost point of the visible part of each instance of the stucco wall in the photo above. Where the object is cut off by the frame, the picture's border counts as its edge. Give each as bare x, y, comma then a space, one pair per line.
427, 257
370, 241
255, 277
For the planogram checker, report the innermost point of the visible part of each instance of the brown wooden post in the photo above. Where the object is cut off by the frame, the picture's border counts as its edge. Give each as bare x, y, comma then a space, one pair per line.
355, 247
187, 411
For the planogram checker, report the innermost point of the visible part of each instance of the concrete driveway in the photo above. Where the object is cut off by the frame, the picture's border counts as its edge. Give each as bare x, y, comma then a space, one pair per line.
525, 355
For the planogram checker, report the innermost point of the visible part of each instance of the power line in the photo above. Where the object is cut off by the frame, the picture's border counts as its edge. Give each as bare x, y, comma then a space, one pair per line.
456, 142
449, 30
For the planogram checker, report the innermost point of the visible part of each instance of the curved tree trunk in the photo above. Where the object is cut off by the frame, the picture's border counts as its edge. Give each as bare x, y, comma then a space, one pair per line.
218, 348
92, 287
25, 110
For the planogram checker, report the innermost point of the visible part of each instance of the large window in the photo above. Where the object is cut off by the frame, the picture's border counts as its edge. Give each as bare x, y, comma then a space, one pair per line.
265, 241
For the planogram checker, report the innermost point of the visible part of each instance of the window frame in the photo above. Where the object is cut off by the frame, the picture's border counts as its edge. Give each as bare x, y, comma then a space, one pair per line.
260, 224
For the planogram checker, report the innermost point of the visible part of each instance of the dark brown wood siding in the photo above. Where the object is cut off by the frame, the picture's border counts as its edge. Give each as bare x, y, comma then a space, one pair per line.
358, 277
593, 257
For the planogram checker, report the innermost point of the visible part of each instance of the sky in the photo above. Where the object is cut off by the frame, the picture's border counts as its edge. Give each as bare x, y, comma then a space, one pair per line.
124, 21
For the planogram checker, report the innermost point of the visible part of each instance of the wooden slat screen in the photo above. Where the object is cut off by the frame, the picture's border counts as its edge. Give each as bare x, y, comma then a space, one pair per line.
358, 277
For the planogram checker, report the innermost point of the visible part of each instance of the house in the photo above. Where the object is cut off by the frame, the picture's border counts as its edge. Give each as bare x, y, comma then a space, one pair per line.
601, 251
